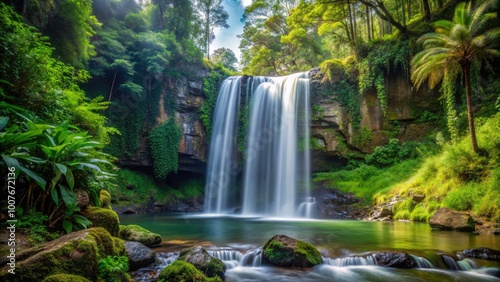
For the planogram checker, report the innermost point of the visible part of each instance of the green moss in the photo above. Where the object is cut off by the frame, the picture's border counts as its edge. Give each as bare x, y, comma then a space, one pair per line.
284, 251
65, 278
100, 217
76, 253
105, 199
139, 234
181, 271
308, 251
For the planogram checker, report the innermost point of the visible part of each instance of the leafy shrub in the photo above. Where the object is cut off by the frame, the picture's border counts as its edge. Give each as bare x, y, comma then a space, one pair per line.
392, 153
113, 269
37, 223
467, 165
164, 144
464, 198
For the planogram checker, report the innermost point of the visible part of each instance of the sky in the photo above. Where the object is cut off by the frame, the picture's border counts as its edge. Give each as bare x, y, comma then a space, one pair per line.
226, 37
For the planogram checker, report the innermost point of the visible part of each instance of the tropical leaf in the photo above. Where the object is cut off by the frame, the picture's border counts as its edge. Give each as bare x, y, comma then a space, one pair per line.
33, 175
55, 196
67, 225
67, 196
12, 162
3, 122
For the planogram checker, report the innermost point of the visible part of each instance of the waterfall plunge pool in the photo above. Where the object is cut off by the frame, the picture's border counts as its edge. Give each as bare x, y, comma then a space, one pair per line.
334, 239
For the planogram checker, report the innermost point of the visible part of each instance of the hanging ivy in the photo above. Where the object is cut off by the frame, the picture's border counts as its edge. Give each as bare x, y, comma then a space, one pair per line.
164, 144
210, 90
448, 88
383, 57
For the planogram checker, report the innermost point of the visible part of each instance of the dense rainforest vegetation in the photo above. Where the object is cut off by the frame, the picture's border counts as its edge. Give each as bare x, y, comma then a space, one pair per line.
82, 82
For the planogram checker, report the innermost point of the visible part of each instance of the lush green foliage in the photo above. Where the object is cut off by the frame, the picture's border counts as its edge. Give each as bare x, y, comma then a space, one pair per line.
37, 224
50, 162
391, 153
456, 46
164, 144
367, 180
113, 269
457, 177
210, 90
35, 81
384, 57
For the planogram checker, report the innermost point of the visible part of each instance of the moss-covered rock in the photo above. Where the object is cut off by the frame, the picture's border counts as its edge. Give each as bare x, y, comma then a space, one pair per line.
181, 271
105, 199
139, 234
282, 250
105, 218
77, 253
200, 258
65, 278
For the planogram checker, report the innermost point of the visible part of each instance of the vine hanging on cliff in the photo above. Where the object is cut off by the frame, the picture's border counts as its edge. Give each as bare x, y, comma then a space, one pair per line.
164, 143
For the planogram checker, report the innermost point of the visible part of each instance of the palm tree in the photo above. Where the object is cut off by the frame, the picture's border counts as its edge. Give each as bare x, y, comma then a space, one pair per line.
456, 46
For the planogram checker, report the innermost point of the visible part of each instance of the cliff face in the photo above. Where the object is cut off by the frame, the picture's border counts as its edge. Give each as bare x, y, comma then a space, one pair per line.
334, 134
187, 94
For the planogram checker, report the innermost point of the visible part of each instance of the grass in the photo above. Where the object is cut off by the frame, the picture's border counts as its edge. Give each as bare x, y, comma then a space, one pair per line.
145, 188
367, 180
455, 177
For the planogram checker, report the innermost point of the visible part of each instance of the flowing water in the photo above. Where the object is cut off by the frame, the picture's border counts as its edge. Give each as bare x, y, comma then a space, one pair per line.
346, 246
221, 162
276, 171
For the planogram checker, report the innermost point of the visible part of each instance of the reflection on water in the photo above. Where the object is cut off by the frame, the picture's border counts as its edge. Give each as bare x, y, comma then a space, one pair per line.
334, 237
236, 241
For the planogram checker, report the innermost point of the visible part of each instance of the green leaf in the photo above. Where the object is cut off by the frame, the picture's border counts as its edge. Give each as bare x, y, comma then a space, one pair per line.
94, 198
67, 225
55, 196
70, 179
68, 197
33, 175
81, 220
12, 162
3, 122
62, 168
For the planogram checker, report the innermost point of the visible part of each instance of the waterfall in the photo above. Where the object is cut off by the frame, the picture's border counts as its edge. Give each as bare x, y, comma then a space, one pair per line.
232, 258
276, 168
277, 156
221, 162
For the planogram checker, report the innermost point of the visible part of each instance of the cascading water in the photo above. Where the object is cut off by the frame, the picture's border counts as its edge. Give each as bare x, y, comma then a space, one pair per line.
276, 172
221, 165
278, 147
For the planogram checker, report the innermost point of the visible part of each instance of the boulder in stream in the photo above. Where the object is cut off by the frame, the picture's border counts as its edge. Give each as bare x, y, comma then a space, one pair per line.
139, 234
395, 259
483, 253
200, 258
282, 250
447, 219
138, 255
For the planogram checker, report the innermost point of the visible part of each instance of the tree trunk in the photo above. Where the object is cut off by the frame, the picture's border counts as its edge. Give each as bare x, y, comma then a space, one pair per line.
470, 114
380, 9
427, 10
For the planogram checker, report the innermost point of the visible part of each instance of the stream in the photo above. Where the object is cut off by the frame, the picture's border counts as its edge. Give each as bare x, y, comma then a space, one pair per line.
346, 247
